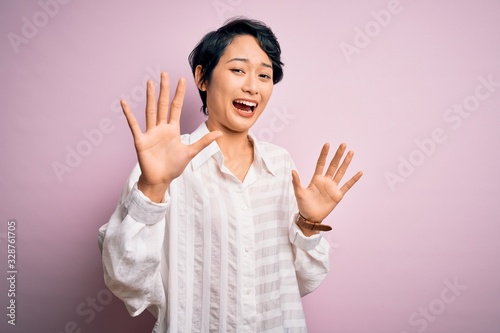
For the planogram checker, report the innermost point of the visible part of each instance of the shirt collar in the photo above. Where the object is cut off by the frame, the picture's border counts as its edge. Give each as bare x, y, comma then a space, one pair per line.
261, 156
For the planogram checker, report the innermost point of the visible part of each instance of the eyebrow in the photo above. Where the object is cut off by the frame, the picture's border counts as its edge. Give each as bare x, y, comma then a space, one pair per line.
246, 60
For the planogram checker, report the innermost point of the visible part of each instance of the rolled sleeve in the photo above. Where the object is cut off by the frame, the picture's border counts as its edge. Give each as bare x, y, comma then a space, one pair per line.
301, 241
143, 210
312, 259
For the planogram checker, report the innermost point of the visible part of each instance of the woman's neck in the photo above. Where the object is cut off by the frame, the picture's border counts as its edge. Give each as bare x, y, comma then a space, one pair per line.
237, 150
234, 145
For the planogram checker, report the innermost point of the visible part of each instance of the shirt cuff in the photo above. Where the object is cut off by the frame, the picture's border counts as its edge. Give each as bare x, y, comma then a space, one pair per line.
300, 240
143, 210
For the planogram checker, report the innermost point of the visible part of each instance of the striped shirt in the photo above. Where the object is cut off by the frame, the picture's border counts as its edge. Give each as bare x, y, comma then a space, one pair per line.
218, 254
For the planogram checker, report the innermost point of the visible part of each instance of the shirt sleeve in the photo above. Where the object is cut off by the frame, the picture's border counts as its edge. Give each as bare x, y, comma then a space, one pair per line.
311, 259
131, 245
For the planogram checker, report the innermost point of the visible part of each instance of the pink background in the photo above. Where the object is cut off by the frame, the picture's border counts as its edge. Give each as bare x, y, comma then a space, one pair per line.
397, 245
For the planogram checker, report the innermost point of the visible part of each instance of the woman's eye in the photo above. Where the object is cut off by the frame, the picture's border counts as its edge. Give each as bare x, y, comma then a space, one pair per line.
236, 70
265, 76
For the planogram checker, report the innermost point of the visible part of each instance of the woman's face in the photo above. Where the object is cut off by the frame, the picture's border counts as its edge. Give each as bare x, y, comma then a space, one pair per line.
240, 87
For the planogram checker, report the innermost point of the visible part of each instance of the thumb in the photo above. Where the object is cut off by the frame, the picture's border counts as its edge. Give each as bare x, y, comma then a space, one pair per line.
206, 140
296, 182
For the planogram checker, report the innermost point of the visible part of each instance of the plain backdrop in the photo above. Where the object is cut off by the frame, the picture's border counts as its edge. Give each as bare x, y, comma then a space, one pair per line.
413, 87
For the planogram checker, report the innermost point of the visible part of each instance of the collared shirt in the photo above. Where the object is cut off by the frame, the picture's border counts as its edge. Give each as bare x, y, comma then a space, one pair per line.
218, 254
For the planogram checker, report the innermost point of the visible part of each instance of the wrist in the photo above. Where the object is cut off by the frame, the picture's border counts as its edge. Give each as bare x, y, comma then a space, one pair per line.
155, 192
309, 227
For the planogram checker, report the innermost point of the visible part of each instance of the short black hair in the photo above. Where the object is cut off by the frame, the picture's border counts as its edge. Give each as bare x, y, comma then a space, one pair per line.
213, 45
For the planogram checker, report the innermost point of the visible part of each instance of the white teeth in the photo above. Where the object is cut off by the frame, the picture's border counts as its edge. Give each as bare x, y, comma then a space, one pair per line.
246, 103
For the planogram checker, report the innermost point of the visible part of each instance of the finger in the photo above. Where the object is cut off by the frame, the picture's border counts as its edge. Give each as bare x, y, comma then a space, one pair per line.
334, 164
163, 98
132, 122
207, 139
176, 107
320, 165
297, 186
347, 186
343, 167
150, 105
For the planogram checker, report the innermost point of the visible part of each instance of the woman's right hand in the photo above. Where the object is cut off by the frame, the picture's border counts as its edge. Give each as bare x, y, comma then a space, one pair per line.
161, 154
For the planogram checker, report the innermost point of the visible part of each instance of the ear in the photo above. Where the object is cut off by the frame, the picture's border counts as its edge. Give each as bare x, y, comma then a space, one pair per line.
197, 78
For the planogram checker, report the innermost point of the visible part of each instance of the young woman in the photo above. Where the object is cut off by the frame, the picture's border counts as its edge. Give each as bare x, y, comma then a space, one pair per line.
214, 231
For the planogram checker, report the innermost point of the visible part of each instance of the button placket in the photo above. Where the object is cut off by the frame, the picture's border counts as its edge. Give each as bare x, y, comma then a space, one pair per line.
246, 239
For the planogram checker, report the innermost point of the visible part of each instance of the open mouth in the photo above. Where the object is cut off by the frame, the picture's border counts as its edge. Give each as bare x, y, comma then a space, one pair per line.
245, 106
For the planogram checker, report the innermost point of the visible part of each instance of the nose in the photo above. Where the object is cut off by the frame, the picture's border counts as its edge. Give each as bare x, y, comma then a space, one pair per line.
251, 85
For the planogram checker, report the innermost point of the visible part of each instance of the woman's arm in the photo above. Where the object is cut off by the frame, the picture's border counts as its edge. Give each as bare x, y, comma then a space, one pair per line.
132, 241
131, 244
315, 203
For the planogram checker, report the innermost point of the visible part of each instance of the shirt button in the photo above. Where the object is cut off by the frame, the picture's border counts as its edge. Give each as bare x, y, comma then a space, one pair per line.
247, 249
248, 291
244, 208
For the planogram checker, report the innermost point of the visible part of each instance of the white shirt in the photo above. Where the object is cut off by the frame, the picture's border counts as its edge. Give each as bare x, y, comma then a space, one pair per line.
217, 255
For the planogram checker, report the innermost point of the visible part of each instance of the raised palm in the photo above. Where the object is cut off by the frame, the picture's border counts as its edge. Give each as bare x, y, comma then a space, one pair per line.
161, 154
323, 193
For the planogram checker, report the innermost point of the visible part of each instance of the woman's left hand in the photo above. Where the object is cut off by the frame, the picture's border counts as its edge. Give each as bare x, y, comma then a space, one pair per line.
323, 194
